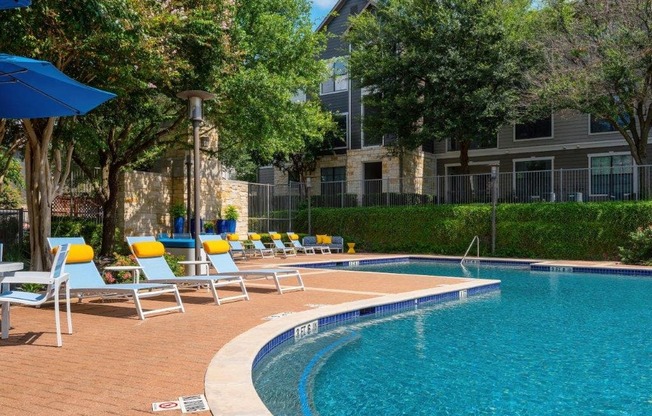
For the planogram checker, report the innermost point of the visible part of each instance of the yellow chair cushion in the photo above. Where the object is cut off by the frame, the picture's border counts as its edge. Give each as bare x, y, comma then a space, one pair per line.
216, 247
275, 236
254, 237
320, 238
294, 237
77, 253
327, 239
233, 237
146, 249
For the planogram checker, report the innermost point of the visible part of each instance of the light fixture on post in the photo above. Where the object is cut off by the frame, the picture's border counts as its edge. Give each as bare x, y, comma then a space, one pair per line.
494, 201
195, 99
308, 186
205, 142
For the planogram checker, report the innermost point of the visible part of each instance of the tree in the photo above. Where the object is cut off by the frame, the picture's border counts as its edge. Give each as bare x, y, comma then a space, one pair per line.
257, 111
71, 36
444, 69
598, 61
166, 50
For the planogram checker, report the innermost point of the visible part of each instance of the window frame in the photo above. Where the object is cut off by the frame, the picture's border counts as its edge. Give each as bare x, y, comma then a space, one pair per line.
552, 132
347, 140
598, 133
534, 159
362, 142
333, 77
633, 173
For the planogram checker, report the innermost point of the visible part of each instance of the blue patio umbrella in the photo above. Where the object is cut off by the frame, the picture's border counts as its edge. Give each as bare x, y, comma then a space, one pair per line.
10, 4
33, 89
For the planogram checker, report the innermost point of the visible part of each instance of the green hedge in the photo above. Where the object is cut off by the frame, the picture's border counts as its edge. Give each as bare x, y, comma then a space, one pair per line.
574, 231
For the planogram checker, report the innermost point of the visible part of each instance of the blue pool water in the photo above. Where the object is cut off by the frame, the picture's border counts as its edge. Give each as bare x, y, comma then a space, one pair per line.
546, 344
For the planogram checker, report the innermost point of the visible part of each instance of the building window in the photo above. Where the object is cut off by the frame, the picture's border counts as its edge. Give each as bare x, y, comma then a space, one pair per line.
370, 137
533, 180
600, 125
339, 138
338, 79
539, 129
612, 175
333, 180
489, 142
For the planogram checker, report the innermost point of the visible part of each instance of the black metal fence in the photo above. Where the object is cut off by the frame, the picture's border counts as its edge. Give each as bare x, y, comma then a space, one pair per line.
13, 229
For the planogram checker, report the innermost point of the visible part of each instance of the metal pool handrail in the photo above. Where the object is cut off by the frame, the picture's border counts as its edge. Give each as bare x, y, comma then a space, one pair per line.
476, 240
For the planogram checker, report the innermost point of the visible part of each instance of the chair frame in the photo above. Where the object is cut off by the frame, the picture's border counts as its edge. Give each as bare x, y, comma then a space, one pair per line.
136, 291
300, 248
260, 249
53, 279
212, 281
281, 248
224, 264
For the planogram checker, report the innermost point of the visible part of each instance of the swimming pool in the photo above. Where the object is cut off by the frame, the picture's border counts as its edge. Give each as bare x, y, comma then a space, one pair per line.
547, 344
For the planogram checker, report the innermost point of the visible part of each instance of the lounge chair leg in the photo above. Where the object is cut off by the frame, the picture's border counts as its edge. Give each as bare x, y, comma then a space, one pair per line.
57, 320
68, 312
139, 307
214, 291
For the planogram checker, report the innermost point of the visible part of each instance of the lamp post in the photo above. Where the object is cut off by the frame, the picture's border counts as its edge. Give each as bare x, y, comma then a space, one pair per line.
195, 99
308, 186
188, 190
494, 200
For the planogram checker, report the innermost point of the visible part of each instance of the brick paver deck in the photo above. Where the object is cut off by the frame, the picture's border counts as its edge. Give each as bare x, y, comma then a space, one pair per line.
116, 364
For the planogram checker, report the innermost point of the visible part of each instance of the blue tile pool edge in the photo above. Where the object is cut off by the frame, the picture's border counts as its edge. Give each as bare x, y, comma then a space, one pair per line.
533, 265
330, 321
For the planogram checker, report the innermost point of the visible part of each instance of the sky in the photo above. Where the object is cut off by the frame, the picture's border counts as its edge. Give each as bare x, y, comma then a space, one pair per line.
320, 9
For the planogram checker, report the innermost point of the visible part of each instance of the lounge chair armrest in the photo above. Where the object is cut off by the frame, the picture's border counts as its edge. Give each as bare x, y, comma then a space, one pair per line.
33, 277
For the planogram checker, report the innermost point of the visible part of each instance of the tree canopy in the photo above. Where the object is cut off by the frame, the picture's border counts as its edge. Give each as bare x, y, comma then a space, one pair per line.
445, 69
253, 55
598, 61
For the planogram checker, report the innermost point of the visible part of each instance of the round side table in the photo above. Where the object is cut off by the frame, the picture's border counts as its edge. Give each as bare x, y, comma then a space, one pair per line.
351, 250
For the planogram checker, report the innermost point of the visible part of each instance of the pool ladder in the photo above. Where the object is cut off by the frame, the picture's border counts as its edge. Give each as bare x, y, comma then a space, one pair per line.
475, 240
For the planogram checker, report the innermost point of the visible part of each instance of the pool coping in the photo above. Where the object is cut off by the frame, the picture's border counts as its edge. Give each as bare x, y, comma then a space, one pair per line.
228, 383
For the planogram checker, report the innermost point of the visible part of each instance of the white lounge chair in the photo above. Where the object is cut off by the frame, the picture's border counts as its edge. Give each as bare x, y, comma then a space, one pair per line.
53, 279
149, 255
294, 239
86, 279
217, 253
279, 247
237, 249
258, 247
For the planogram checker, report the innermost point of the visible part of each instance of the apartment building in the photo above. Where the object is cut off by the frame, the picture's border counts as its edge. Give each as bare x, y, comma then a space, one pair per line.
533, 154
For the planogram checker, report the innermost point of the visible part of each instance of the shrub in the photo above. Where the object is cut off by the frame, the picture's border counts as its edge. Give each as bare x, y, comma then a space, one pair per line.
638, 249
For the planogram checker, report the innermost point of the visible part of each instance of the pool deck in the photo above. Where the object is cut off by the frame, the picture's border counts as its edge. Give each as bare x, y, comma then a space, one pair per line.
116, 364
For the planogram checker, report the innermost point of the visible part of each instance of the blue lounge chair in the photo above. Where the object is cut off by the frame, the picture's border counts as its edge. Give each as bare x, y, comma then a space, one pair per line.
149, 255
86, 279
53, 279
217, 253
294, 239
237, 249
279, 247
258, 247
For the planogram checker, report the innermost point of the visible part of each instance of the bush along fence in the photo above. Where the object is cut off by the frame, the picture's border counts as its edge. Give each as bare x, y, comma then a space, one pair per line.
574, 231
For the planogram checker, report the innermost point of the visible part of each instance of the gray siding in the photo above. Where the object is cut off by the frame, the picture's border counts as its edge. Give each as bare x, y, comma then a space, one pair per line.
266, 175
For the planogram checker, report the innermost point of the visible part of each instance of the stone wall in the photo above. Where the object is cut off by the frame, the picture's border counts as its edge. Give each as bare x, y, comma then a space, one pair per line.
146, 198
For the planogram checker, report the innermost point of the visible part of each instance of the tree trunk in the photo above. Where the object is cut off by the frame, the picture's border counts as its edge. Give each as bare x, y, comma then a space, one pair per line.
43, 185
464, 156
109, 211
